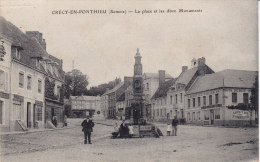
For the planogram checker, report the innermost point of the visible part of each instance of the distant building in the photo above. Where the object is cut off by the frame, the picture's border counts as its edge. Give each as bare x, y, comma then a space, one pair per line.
168, 101
82, 106
151, 84
209, 97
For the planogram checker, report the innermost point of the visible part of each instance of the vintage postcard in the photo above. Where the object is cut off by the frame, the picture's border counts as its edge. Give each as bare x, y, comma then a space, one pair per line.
118, 80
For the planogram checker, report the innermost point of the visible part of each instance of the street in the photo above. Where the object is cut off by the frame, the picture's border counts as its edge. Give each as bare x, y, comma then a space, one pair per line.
193, 143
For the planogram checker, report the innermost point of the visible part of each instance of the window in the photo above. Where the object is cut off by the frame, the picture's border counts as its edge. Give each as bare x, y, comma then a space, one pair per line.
160, 112
15, 52
165, 101
39, 86
245, 98
193, 102
210, 99
198, 115
181, 97
157, 112
217, 114
204, 100
188, 116
182, 113
2, 80
29, 82
206, 114
216, 98
234, 97
198, 101
21, 79
171, 99
176, 98
188, 102
38, 113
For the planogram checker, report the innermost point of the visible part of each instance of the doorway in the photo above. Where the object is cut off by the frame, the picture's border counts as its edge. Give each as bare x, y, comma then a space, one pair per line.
29, 122
211, 117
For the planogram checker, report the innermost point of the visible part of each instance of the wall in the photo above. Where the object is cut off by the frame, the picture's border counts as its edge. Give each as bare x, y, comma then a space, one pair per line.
30, 96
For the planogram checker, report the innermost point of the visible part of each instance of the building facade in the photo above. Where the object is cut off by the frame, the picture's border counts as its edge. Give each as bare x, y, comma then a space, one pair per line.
82, 106
211, 100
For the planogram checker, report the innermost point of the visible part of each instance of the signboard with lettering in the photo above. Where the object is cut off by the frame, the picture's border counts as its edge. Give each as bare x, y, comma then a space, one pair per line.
145, 127
240, 115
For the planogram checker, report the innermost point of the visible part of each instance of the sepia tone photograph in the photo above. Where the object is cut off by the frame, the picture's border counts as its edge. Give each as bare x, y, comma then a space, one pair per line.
124, 81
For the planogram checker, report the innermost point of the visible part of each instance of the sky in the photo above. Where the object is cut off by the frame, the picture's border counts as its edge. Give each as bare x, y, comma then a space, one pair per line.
103, 46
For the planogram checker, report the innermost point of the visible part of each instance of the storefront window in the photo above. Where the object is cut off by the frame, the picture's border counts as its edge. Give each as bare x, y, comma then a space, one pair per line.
206, 114
217, 114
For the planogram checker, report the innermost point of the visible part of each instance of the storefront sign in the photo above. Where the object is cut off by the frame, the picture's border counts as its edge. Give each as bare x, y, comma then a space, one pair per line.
240, 115
4, 95
18, 98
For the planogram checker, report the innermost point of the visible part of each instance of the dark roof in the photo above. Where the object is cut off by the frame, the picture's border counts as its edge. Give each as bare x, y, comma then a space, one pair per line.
186, 76
31, 48
162, 90
122, 97
225, 78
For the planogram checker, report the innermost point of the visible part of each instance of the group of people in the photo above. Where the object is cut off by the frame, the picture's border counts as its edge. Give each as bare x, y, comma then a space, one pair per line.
123, 130
172, 127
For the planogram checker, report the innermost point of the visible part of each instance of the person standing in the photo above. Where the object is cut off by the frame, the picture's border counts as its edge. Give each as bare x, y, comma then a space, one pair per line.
54, 120
124, 131
174, 126
65, 120
169, 129
131, 131
87, 125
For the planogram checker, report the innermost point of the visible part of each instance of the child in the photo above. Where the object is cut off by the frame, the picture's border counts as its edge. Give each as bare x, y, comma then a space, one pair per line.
131, 131
169, 129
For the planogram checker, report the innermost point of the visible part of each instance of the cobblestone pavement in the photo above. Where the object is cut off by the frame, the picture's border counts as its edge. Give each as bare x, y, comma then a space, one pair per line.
193, 143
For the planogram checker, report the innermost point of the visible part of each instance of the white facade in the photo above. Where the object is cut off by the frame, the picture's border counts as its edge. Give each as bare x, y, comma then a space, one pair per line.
28, 83
5, 87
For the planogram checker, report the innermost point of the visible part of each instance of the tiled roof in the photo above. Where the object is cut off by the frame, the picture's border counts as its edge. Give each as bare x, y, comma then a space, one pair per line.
31, 47
156, 75
225, 78
162, 90
115, 88
122, 97
185, 77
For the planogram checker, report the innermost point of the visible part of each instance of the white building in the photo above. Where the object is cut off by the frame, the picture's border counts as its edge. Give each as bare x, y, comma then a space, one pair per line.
211, 97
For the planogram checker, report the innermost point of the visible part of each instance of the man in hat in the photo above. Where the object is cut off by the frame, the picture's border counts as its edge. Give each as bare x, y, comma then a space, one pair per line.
87, 125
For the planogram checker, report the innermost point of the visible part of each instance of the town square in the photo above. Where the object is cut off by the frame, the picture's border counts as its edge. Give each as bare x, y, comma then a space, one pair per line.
129, 86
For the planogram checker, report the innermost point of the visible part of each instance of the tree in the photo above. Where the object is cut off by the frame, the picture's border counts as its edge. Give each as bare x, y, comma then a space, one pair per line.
75, 83
254, 96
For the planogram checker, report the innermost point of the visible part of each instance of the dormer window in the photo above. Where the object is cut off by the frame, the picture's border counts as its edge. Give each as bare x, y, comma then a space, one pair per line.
16, 53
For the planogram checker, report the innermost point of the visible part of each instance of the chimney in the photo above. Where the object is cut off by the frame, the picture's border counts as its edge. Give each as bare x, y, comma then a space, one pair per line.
201, 61
184, 68
44, 44
161, 77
